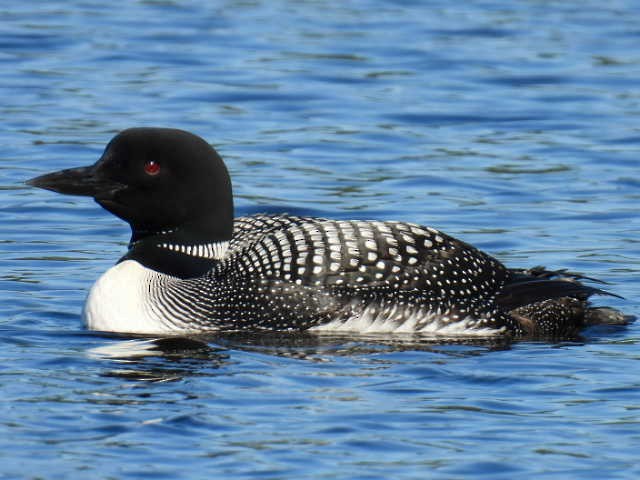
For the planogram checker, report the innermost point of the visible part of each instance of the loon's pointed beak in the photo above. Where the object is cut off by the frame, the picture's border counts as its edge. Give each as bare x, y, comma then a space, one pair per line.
85, 181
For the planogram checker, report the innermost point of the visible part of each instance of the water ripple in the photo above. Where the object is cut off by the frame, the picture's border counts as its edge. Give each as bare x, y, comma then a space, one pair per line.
512, 126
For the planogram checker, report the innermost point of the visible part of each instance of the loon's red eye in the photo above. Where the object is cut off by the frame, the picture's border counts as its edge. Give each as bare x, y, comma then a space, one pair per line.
151, 167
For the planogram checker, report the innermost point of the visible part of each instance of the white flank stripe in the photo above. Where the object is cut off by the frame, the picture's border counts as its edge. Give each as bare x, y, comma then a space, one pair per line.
372, 320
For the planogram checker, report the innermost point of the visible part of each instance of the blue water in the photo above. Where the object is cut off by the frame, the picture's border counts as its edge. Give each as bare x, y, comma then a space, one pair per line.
512, 125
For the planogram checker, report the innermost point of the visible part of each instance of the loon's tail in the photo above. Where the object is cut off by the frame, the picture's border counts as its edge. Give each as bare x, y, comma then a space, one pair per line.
554, 303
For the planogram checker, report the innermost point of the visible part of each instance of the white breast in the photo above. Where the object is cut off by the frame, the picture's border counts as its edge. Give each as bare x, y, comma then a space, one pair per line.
119, 301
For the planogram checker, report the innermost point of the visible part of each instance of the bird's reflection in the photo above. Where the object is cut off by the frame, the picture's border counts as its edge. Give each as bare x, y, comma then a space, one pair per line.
172, 358
159, 359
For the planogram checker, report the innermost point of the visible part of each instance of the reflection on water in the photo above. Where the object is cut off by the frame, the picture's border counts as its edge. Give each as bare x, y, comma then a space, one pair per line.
172, 358
159, 360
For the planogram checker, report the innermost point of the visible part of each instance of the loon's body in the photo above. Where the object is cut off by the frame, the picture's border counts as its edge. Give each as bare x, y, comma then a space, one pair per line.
192, 267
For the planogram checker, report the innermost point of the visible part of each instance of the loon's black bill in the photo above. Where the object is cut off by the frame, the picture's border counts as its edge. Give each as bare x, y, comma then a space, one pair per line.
75, 181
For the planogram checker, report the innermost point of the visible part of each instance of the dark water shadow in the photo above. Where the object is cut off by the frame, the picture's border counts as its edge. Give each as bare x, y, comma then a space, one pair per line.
165, 359
158, 359
154, 359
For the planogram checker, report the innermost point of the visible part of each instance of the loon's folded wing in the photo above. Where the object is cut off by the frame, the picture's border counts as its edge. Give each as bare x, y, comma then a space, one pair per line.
524, 290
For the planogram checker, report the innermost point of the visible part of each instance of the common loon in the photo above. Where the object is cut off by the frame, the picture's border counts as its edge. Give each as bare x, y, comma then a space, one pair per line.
191, 267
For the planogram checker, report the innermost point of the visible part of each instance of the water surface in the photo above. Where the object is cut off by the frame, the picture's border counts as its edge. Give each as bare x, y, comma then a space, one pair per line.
513, 126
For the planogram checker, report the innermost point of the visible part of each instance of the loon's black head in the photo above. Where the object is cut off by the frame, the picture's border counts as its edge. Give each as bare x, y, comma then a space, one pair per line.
165, 183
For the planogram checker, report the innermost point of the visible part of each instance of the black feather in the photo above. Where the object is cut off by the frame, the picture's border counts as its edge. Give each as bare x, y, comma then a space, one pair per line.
540, 272
523, 292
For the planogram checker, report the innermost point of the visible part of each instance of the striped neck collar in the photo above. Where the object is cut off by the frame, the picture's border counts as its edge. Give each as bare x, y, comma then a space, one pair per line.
181, 252
211, 251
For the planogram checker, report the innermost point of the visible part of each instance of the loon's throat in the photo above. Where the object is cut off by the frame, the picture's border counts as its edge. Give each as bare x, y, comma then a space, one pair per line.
187, 240
176, 253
